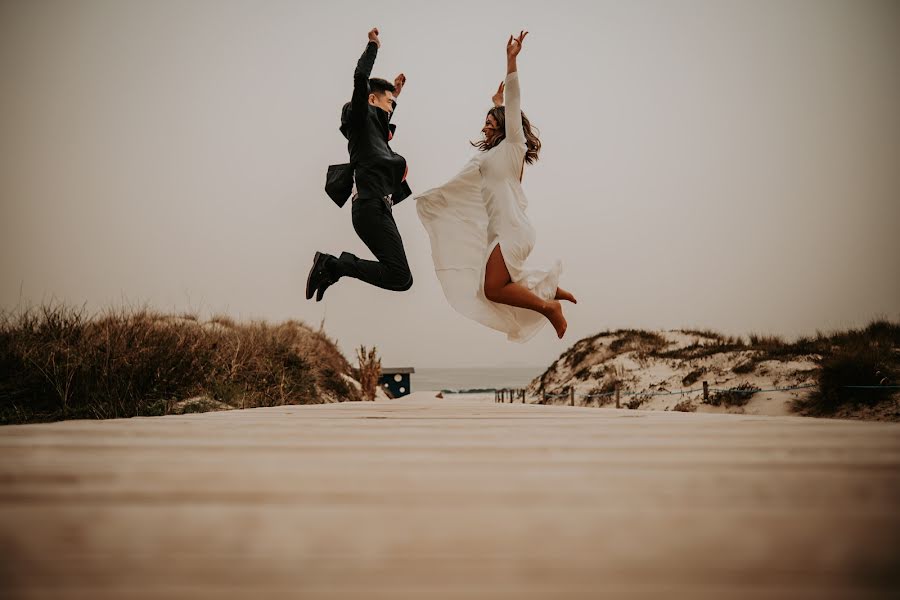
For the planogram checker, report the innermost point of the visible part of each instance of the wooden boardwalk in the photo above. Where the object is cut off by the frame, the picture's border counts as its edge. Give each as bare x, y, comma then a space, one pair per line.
449, 498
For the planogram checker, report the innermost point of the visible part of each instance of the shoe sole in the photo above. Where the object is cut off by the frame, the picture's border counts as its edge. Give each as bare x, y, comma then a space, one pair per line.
310, 292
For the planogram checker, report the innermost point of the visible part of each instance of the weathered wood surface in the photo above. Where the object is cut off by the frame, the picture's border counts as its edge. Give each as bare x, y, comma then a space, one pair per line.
447, 498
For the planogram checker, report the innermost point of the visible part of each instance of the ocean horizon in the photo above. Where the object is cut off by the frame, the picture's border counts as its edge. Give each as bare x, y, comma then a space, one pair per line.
469, 379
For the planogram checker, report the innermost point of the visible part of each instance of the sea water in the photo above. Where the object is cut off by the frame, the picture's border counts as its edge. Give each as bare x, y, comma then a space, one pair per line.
469, 380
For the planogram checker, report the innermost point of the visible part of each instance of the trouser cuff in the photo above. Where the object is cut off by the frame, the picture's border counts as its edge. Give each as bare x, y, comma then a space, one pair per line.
339, 267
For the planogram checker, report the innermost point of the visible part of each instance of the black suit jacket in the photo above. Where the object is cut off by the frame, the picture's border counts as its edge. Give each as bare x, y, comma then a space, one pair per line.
339, 185
379, 170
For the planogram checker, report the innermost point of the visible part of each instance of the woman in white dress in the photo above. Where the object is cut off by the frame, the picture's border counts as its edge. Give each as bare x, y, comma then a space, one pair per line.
480, 234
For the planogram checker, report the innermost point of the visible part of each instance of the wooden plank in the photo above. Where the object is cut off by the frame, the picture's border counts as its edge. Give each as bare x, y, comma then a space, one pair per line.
420, 497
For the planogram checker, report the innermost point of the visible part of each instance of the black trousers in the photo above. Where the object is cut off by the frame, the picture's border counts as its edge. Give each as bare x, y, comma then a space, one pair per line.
374, 224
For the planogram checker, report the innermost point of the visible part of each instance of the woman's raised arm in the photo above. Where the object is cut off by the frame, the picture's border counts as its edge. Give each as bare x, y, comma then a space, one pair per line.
514, 131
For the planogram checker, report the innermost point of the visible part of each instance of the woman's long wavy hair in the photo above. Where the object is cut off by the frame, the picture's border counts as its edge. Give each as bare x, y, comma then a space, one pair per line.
531, 135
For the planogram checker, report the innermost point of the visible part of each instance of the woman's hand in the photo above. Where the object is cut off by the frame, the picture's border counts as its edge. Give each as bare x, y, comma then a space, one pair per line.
514, 45
373, 36
498, 97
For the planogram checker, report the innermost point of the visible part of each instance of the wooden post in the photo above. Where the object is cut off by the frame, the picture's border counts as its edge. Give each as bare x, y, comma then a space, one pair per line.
543, 396
571, 395
705, 391
523, 395
618, 405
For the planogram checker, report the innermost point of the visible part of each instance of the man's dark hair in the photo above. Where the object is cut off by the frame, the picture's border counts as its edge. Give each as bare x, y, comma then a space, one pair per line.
380, 86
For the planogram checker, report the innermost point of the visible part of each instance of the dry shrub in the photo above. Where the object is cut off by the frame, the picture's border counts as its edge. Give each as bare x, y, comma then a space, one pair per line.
612, 377
56, 363
645, 343
738, 395
575, 355
693, 376
369, 371
223, 320
699, 350
761, 342
583, 374
873, 363
603, 395
746, 366
637, 400
685, 406
705, 333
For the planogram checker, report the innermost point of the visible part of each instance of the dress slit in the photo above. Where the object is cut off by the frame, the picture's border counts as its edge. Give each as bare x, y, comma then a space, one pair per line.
480, 208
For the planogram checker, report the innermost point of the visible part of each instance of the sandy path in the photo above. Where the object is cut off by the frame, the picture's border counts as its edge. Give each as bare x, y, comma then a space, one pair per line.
427, 498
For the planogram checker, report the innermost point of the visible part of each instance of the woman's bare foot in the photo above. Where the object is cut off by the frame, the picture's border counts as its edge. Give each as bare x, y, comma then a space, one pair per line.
553, 312
562, 294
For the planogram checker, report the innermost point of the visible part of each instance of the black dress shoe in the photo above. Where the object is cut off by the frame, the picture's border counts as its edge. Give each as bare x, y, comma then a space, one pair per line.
317, 274
328, 278
323, 285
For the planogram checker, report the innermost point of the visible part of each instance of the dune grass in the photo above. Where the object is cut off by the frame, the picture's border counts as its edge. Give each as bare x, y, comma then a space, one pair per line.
738, 395
854, 376
869, 356
57, 362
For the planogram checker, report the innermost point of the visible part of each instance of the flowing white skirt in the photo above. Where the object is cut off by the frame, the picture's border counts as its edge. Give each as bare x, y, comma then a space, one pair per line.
462, 238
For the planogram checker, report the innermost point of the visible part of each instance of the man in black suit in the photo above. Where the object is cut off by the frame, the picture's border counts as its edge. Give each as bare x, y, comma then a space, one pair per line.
379, 175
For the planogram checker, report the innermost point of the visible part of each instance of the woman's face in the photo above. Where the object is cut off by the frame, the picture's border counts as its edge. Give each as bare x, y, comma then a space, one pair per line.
490, 129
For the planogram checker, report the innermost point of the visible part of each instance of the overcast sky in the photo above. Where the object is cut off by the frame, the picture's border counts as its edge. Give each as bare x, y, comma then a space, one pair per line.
724, 165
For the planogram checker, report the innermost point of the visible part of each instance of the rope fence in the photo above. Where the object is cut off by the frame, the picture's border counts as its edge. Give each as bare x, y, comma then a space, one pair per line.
511, 395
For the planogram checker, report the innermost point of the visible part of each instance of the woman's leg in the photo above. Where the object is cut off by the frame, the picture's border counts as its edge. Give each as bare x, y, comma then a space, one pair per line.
498, 287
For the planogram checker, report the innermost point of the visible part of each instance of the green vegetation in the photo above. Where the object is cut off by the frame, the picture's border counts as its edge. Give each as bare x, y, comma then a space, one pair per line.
57, 363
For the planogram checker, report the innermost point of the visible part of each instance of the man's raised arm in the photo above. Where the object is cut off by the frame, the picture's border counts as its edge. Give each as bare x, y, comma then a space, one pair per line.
359, 103
399, 82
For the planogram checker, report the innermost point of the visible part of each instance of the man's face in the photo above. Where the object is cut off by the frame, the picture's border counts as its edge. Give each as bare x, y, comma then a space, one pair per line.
382, 101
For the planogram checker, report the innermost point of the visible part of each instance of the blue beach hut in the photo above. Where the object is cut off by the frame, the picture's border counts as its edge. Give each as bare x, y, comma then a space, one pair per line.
397, 381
